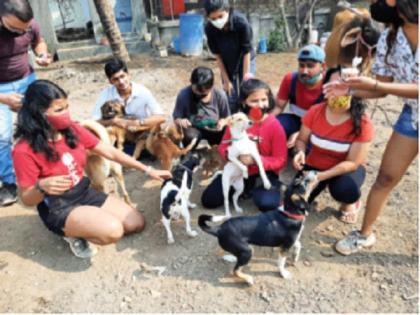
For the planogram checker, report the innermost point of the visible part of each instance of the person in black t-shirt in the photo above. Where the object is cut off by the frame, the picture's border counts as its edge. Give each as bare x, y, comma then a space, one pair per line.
201, 109
229, 38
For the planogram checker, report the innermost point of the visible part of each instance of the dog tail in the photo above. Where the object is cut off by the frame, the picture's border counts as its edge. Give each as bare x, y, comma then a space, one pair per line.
213, 230
97, 129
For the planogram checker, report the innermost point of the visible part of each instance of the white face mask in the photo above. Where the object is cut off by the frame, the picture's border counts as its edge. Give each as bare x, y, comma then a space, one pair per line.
220, 23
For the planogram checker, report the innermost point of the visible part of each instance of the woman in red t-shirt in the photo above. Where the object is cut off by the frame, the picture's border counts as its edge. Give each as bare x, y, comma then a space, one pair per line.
339, 133
49, 159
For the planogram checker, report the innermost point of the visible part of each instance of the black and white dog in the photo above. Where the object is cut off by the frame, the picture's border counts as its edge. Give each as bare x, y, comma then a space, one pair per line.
175, 194
278, 228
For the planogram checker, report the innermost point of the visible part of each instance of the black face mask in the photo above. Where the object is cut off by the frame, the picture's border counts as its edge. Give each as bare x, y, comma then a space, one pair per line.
383, 13
5, 31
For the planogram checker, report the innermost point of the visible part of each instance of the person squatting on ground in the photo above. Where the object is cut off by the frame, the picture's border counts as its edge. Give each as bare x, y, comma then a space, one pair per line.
257, 102
18, 32
201, 109
339, 133
229, 37
300, 89
49, 160
137, 100
396, 70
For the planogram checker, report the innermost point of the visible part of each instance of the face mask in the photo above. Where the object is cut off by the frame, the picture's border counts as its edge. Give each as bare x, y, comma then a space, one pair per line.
200, 97
311, 80
60, 122
339, 102
220, 23
383, 13
254, 113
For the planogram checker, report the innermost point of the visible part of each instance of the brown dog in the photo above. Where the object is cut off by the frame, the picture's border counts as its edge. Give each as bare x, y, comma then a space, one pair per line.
161, 146
98, 169
213, 161
118, 135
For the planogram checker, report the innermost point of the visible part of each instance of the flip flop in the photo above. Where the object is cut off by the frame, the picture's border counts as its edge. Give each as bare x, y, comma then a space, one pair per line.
350, 217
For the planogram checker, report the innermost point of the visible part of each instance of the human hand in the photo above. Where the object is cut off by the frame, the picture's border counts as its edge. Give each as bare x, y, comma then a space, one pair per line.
120, 122
292, 140
55, 185
247, 159
183, 122
299, 160
159, 175
227, 87
362, 83
248, 76
43, 60
336, 88
14, 101
222, 123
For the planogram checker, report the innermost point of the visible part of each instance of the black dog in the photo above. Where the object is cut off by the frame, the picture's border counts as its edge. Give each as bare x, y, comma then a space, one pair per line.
175, 194
278, 228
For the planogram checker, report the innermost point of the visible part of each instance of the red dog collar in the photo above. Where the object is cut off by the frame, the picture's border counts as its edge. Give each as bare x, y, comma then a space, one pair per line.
298, 217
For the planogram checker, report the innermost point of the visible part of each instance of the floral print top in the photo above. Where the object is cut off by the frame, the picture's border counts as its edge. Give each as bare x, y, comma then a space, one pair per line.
401, 64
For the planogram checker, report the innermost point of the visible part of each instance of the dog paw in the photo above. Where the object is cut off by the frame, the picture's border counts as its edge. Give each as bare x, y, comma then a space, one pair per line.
230, 258
286, 274
245, 174
192, 233
267, 185
239, 210
250, 281
192, 205
171, 241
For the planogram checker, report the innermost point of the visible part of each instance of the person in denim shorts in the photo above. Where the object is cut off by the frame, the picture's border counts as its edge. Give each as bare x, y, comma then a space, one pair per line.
396, 70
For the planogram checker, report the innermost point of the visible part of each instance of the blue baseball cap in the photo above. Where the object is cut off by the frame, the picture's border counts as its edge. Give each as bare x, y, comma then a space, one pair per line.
312, 52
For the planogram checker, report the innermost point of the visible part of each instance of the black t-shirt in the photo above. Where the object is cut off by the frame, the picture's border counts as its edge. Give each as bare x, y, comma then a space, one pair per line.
201, 114
231, 44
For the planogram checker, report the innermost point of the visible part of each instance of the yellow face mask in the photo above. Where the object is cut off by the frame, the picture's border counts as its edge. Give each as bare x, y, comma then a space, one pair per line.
339, 102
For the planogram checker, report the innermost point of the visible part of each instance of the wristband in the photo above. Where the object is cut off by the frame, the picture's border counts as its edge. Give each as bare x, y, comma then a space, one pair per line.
39, 188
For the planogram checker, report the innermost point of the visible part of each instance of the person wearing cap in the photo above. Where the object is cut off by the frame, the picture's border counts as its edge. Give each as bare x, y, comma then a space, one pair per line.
229, 36
300, 89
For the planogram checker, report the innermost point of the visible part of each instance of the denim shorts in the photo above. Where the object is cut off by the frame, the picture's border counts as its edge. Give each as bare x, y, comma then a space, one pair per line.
404, 124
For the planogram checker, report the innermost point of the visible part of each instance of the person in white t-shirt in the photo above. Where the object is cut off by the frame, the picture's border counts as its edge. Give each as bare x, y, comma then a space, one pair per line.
138, 101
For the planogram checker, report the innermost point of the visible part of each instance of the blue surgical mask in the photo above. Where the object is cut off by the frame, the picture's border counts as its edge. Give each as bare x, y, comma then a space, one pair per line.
311, 80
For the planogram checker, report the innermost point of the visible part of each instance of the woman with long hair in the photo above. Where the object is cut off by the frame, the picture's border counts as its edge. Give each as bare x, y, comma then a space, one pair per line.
49, 160
339, 134
396, 70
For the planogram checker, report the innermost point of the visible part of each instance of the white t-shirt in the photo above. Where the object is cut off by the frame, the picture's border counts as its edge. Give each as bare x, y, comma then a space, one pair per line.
140, 104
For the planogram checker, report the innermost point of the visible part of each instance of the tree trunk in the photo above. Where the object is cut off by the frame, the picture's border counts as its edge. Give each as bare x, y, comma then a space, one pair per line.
286, 25
111, 29
298, 38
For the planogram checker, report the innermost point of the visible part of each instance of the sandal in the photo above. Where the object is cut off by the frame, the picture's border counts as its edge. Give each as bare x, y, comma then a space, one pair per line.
350, 216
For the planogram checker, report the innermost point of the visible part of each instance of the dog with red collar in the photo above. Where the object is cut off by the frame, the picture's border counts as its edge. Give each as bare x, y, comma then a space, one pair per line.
280, 228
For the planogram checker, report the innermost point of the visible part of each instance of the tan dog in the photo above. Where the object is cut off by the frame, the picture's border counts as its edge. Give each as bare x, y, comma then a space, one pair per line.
118, 135
161, 146
174, 132
98, 169
213, 161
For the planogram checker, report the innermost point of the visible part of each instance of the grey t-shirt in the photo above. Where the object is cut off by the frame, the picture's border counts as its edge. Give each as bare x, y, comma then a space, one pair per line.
201, 114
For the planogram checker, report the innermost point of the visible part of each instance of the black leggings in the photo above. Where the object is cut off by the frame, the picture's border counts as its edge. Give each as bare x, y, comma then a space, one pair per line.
265, 200
343, 188
213, 137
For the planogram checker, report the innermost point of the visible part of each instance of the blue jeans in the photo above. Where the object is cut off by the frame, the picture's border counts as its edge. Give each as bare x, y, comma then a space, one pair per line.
290, 122
7, 174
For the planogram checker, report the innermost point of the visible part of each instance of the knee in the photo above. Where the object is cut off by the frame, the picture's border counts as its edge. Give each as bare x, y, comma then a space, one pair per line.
135, 224
113, 232
348, 194
385, 180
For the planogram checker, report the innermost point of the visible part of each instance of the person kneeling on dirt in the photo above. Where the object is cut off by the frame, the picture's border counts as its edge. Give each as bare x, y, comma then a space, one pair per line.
300, 89
339, 133
201, 109
138, 101
49, 159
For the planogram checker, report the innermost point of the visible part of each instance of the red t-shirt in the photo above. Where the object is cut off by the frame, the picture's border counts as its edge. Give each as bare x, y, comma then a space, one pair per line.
30, 165
304, 96
331, 144
14, 59
271, 142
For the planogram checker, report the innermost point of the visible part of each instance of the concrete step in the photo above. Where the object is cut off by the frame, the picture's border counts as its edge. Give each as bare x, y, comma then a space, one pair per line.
92, 49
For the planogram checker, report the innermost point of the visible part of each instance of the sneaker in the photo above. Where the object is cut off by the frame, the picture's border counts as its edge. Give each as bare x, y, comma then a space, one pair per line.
8, 194
354, 242
80, 247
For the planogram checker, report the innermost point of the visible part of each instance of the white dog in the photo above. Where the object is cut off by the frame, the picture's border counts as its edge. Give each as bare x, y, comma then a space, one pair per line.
235, 171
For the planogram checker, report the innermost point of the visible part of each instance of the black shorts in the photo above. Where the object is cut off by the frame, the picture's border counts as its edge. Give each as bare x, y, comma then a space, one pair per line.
54, 210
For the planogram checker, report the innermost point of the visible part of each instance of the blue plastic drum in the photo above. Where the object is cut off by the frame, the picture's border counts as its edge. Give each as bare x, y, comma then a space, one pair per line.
191, 34
262, 46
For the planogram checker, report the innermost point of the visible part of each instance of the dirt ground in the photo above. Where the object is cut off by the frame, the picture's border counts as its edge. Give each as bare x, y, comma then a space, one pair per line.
38, 273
